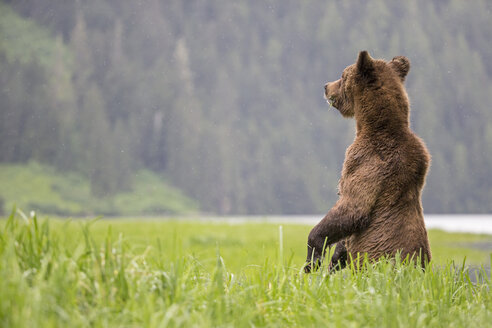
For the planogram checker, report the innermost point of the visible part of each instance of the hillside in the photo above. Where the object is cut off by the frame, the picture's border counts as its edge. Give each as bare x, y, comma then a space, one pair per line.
42, 189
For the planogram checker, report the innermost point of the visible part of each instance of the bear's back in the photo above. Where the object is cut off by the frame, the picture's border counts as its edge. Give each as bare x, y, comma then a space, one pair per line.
396, 222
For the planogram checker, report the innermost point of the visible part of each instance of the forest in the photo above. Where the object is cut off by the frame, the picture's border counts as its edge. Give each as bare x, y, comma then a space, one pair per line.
224, 99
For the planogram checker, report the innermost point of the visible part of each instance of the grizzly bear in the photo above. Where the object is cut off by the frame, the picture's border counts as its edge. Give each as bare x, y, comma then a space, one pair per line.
379, 211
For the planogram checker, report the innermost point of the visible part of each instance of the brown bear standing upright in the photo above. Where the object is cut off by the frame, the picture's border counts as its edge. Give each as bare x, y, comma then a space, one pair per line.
379, 211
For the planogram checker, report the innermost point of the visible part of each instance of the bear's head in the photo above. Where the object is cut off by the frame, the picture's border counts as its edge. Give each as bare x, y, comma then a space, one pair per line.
366, 77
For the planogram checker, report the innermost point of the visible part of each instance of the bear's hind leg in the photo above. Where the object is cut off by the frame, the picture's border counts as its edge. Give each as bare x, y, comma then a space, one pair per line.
339, 258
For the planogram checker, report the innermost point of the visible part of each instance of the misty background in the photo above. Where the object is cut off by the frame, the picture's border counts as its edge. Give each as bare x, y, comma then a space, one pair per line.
169, 107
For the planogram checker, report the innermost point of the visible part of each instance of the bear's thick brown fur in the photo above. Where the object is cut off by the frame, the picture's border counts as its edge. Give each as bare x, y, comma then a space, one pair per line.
379, 211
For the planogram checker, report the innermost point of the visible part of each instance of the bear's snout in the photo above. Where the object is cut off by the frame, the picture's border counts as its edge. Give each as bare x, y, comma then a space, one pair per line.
327, 91
331, 91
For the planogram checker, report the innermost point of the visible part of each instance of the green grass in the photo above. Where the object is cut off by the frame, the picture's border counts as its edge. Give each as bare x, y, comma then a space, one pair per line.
130, 273
43, 189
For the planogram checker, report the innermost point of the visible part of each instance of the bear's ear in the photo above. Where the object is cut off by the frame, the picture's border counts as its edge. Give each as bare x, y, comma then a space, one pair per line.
365, 64
401, 65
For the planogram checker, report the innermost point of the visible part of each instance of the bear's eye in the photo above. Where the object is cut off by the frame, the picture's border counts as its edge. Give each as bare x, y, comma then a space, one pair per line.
343, 76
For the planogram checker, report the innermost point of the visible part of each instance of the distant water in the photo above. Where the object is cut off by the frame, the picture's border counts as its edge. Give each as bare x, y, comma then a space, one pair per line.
460, 223
447, 222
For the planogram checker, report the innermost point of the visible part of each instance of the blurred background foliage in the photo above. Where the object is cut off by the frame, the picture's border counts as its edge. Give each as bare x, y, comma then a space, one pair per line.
221, 101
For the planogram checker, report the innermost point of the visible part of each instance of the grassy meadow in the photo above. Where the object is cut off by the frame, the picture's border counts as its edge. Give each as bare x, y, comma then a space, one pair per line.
170, 273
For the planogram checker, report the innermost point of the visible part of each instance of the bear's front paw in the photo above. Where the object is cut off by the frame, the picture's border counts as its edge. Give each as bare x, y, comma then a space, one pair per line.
312, 266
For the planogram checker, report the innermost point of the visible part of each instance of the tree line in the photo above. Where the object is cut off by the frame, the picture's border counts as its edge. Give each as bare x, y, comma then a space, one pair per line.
224, 98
